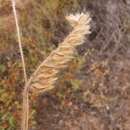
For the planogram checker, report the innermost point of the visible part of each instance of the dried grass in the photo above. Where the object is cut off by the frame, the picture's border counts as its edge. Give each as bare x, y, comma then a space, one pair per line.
44, 77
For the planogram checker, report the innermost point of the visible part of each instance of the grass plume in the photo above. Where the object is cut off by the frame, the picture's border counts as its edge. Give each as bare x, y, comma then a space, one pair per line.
43, 79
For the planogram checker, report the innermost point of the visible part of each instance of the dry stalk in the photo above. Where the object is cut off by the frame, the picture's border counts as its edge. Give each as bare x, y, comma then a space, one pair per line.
44, 77
19, 39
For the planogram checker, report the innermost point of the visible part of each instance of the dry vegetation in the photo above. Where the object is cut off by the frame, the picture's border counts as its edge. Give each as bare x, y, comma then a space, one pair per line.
94, 92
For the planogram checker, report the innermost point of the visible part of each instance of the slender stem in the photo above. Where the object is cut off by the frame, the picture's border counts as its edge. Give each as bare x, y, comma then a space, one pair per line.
19, 40
25, 91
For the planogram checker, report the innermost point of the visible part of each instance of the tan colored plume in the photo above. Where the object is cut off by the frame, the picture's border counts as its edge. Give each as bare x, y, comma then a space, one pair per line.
45, 76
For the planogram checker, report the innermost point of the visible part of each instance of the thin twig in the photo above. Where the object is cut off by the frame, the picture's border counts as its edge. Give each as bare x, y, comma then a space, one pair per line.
19, 40
25, 91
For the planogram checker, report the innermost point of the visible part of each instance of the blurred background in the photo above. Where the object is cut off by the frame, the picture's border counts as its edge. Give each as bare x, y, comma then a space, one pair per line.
94, 92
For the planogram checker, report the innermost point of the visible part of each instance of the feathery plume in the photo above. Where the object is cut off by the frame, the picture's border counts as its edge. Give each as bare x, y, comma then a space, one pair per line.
45, 76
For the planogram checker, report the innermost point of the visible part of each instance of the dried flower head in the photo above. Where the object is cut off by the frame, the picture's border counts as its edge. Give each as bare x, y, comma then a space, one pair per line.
45, 76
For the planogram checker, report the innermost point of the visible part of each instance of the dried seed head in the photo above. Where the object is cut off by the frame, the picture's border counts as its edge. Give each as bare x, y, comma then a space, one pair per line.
45, 76
47, 73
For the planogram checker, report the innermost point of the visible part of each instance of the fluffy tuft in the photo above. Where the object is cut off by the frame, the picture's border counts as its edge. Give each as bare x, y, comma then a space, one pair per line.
73, 19
45, 76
